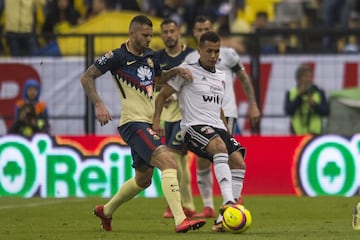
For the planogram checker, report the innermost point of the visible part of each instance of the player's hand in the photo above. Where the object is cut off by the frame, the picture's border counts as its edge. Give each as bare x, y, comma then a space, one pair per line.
254, 114
185, 73
102, 114
157, 128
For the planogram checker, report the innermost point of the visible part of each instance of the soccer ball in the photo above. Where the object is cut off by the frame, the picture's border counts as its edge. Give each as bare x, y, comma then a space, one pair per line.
236, 219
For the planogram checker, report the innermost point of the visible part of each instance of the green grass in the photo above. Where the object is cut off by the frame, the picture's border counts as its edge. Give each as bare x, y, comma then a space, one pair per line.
274, 217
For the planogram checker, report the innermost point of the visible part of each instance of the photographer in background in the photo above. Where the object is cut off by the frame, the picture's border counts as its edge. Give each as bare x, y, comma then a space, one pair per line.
306, 104
26, 122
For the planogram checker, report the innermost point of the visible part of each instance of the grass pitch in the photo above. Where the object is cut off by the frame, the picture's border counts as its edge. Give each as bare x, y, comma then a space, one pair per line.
274, 217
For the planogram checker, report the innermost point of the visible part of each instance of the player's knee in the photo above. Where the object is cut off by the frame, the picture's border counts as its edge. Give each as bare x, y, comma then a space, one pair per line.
216, 145
162, 158
144, 183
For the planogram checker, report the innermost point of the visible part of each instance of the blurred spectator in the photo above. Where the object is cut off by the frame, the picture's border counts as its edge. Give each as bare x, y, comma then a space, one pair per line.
350, 44
61, 15
333, 17
268, 44
132, 5
223, 27
174, 9
20, 25
306, 104
31, 95
96, 7
152, 7
26, 122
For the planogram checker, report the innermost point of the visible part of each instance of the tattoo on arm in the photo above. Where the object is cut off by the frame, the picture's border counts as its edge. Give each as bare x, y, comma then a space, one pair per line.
88, 83
166, 75
247, 86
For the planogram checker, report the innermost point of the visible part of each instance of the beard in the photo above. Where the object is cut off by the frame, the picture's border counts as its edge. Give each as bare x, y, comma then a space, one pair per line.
171, 43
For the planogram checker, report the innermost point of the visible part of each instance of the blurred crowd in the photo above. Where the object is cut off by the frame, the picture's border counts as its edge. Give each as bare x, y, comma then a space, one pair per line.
29, 27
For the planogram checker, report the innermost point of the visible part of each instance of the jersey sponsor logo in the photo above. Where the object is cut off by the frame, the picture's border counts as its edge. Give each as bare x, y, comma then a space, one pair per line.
163, 65
213, 99
130, 62
145, 75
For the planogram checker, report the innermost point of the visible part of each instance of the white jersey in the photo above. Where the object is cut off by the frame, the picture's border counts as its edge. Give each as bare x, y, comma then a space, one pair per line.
200, 100
227, 60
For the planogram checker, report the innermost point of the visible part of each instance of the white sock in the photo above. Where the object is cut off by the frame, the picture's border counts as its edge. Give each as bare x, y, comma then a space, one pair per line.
237, 177
205, 184
223, 176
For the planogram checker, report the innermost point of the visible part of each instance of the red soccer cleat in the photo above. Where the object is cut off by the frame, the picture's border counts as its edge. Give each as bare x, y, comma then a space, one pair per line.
207, 212
189, 224
189, 213
105, 221
168, 213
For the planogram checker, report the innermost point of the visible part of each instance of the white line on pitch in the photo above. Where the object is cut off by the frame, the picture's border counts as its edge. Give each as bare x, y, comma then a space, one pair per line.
26, 205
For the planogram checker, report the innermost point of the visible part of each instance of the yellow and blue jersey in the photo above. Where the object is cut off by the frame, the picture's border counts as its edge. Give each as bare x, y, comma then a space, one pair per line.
172, 112
134, 76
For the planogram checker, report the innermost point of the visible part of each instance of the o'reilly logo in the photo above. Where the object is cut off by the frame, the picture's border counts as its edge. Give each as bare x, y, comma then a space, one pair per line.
43, 167
329, 165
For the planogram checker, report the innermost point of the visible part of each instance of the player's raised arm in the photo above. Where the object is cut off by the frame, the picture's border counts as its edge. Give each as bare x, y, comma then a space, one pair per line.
165, 92
88, 83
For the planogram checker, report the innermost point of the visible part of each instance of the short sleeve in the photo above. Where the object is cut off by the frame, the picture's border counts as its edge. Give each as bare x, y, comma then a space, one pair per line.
108, 61
176, 83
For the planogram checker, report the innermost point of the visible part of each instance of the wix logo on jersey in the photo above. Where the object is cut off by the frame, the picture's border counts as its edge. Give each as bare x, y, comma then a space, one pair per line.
212, 98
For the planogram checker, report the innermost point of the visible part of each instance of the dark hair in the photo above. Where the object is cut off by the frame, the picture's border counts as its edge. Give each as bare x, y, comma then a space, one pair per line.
303, 68
209, 36
202, 19
262, 14
168, 21
142, 20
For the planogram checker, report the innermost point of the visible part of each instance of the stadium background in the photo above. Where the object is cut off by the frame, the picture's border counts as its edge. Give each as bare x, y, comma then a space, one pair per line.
72, 116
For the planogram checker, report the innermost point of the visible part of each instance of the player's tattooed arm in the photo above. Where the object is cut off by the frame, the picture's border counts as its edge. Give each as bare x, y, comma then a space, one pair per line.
247, 86
88, 83
254, 112
168, 74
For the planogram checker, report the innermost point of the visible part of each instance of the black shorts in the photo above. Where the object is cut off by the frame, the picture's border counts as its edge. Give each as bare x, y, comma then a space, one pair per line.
197, 137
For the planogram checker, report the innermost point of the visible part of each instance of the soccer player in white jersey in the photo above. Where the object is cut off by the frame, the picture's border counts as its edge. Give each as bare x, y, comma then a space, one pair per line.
229, 62
203, 124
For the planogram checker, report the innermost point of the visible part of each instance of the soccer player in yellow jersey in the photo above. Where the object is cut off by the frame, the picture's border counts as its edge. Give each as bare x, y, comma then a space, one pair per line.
134, 68
171, 56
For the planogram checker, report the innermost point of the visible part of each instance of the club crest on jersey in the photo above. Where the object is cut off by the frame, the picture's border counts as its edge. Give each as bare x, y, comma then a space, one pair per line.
207, 130
150, 62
